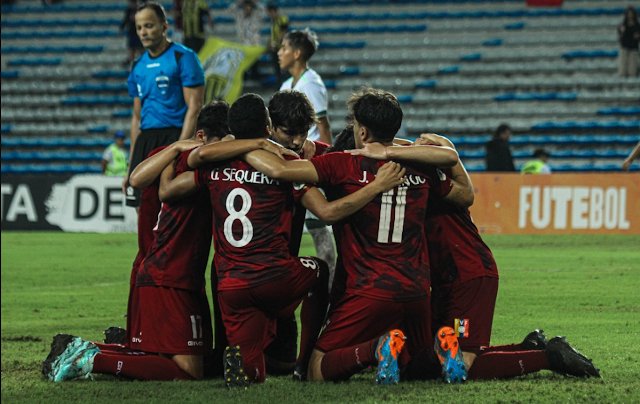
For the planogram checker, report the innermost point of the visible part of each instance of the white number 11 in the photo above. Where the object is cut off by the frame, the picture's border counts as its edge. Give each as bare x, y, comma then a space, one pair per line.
385, 216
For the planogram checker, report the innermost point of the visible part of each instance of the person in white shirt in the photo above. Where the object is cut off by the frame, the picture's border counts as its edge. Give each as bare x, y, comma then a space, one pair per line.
297, 48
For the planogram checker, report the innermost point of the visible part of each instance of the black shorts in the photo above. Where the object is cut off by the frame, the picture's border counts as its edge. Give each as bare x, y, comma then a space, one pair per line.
148, 140
194, 43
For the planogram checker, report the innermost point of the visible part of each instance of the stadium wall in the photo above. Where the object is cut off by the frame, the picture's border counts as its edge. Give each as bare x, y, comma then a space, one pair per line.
504, 204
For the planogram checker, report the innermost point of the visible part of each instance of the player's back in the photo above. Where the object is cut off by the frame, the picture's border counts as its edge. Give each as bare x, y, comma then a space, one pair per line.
455, 246
180, 250
382, 247
252, 223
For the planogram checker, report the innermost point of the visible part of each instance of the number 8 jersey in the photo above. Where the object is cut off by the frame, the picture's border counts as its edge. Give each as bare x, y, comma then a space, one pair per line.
252, 223
382, 250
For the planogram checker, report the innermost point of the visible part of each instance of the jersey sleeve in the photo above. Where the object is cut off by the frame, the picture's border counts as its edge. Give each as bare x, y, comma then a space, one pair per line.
332, 167
442, 183
201, 175
132, 86
191, 72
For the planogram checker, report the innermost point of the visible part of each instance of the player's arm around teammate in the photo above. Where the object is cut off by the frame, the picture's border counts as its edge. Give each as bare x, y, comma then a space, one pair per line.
147, 171
184, 184
389, 176
462, 193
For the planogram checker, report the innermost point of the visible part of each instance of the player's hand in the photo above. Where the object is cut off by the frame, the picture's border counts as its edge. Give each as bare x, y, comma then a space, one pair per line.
278, 150
187, 144
308, 149
389, 176
433, 139
372, 150
228, 138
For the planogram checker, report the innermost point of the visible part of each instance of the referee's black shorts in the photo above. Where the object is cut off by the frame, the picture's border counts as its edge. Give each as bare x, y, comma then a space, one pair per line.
148, 140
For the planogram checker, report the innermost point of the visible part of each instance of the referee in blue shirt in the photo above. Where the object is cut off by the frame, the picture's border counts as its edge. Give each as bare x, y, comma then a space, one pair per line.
167, 86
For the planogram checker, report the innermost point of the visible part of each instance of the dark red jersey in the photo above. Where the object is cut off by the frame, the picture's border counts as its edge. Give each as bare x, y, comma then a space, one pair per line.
382, 248
454, 244
252, 224
299, 212
178, 257
147, 219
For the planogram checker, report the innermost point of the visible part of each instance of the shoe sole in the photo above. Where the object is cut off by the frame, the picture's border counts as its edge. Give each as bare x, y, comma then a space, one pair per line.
73, 359
573, 362
447, 348
58, 346
388, 352
234, 376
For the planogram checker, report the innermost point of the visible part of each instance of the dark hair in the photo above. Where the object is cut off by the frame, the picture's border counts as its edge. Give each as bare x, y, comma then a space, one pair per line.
501, 129
635, 16
539, 153
377, 110
306, 41
157, 8
291, 110
344, 140
248, 117
212, 119
272, 7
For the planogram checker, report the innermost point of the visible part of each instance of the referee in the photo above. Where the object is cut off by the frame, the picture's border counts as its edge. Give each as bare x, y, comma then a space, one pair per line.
167, 87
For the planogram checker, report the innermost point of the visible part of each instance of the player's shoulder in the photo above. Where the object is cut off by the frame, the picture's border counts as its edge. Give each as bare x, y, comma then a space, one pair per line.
313, 78
179, 51
321, 147
287, 85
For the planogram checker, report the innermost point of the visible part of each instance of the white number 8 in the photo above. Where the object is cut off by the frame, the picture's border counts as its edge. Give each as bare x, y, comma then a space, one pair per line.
247, 227
308, 263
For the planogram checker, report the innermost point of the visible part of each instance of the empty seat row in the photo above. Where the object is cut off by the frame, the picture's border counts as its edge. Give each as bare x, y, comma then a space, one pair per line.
56, 142
52, 49
523, 153
45, 156
96, 100
587, 125
558, 168
60, 34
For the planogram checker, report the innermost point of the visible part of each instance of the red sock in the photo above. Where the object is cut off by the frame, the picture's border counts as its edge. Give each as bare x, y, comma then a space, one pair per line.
139, 367
502, 365
113, 348
344, 363
312, 314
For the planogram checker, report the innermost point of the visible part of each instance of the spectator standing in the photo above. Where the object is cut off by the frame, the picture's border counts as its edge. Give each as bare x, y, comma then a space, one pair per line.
629, 38
538, 165
128, 25
177, 21
248, 16
115, 156
279, 28
193, 12
167, 86
498, 156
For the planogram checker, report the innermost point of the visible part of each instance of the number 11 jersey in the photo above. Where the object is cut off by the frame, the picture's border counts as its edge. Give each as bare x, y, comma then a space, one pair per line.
382, 247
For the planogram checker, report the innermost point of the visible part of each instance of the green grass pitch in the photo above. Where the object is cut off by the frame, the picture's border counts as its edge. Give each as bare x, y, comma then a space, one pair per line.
585, 287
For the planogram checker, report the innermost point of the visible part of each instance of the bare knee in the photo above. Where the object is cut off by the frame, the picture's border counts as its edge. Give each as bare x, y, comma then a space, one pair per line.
314, 373
191, 364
